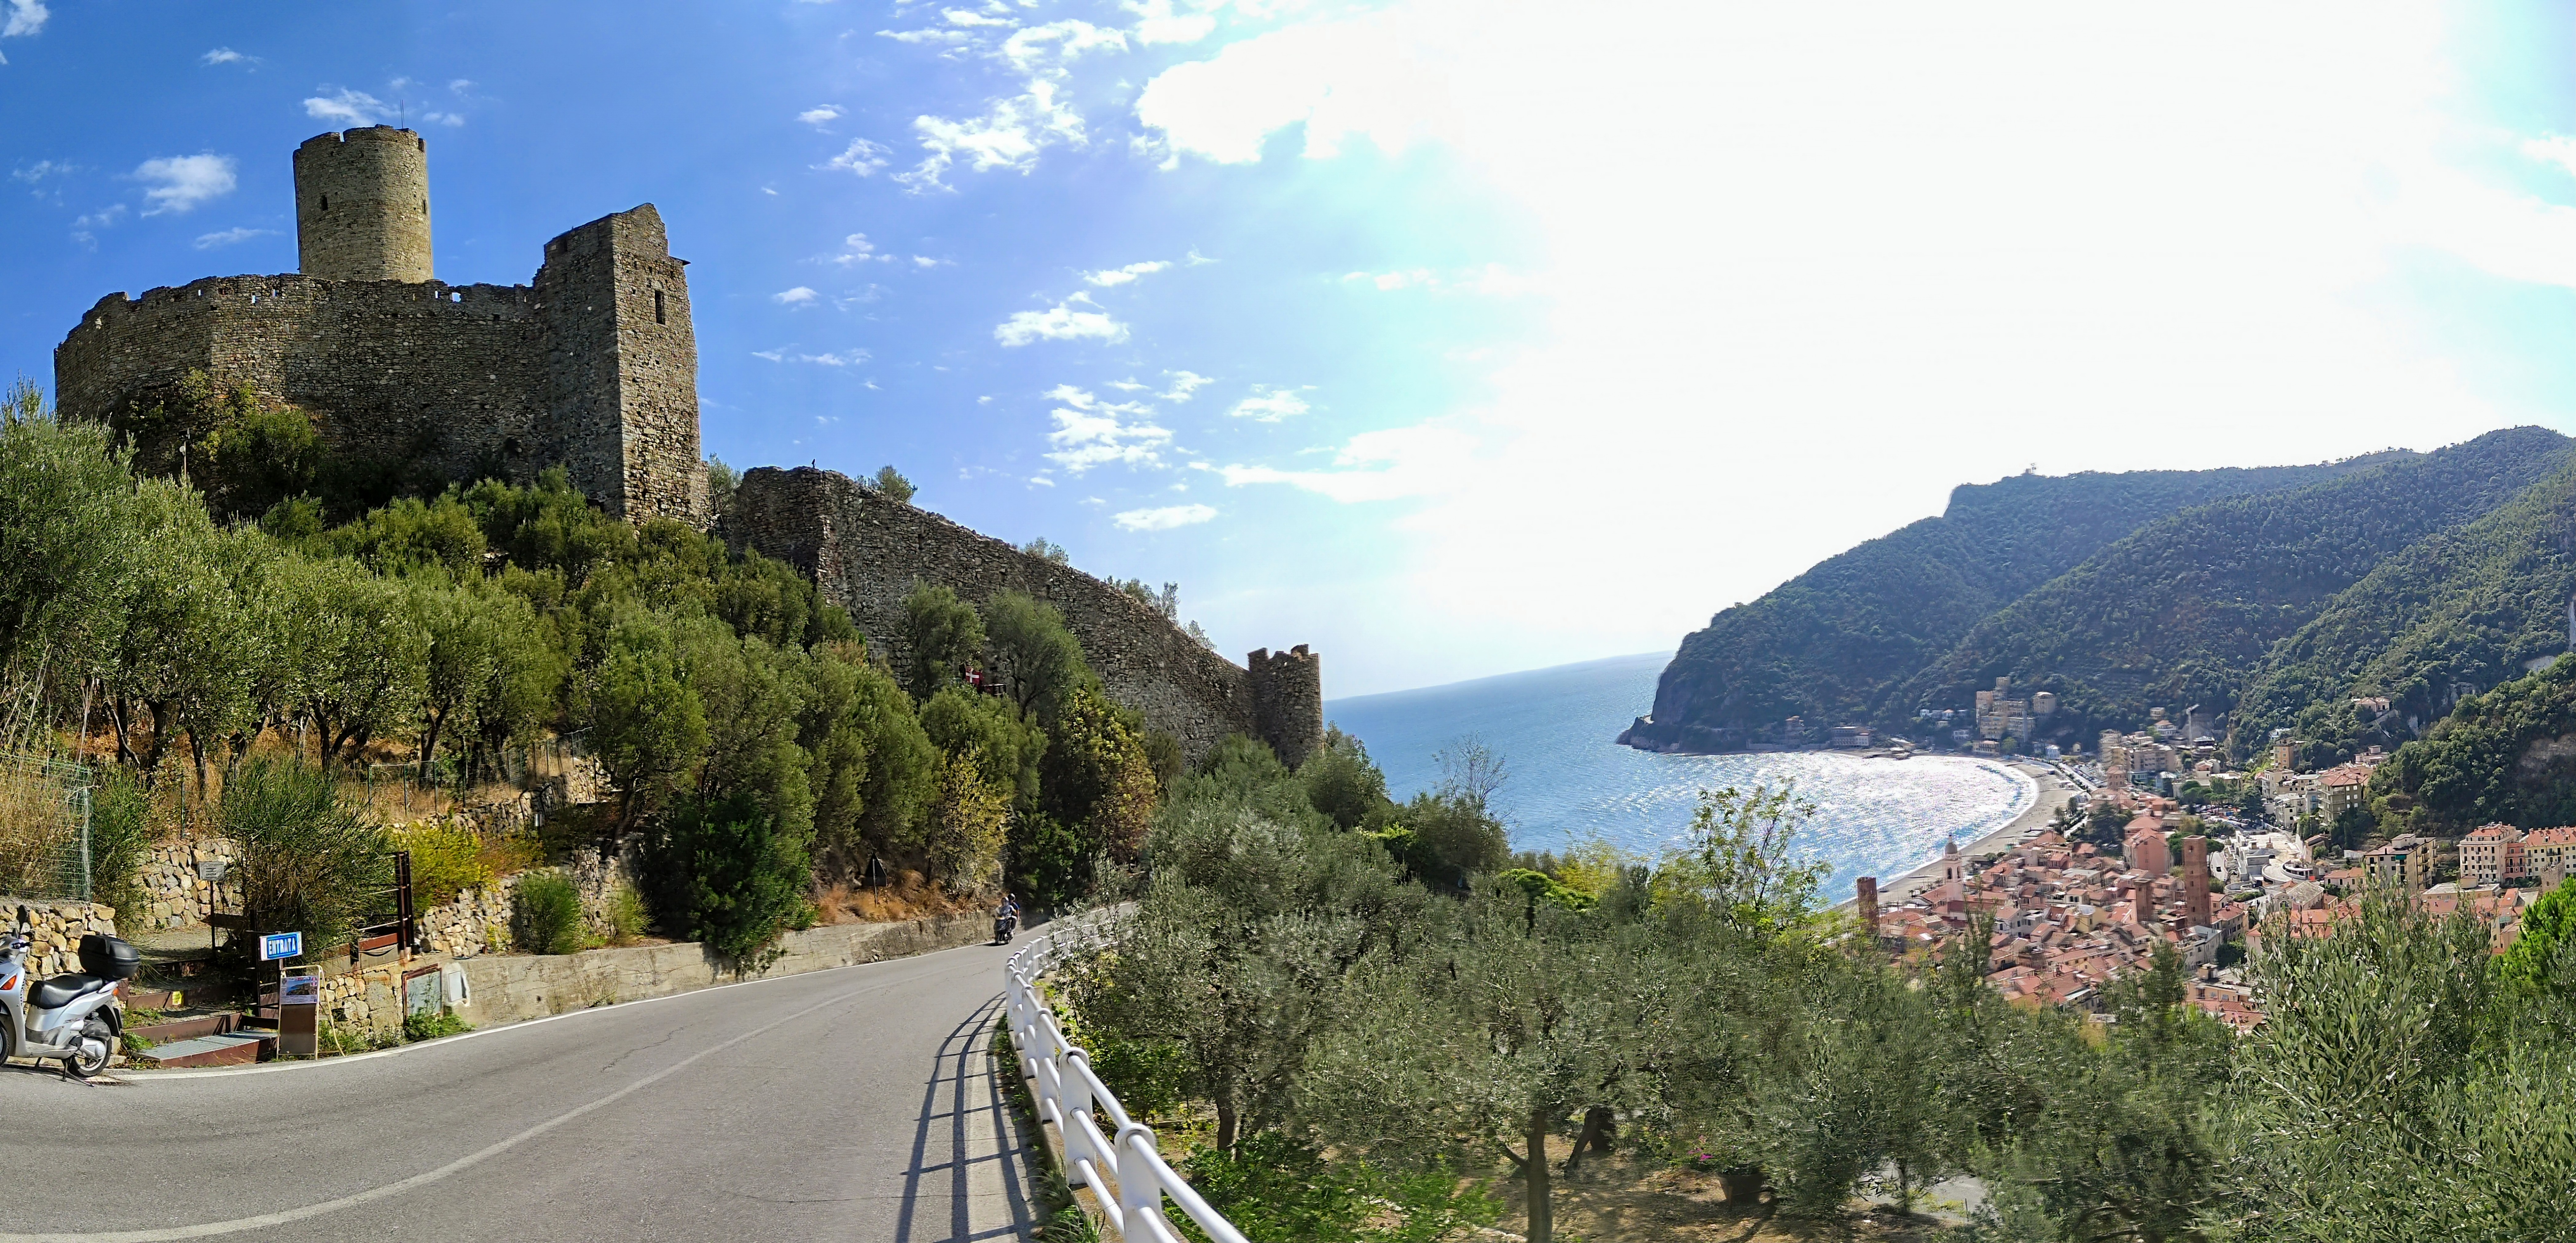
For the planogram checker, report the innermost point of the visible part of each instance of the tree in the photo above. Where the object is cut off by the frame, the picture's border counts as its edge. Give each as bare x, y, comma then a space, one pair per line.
1098, 779
754, 697
1043, 550
647, 726
891, 483
1007, 746
727, 875
942, 635
721, 482
2546, 926
1341, 782
1740, 860
966, 826
356, 656
1037, 657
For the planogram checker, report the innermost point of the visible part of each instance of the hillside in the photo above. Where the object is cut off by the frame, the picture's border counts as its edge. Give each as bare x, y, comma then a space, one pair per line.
2185, 609
2508, 755
1829, 644
2457, 613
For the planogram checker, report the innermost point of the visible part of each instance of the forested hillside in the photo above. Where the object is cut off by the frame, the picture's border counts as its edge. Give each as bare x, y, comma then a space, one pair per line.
2508, 755
2461, 611
1830, 644
2185, 609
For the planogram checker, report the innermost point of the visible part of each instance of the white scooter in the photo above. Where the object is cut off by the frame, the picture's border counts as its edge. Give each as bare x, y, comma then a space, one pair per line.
77, 1018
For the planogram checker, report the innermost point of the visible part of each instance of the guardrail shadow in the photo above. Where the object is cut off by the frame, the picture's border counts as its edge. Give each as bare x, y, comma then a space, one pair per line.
968, 1180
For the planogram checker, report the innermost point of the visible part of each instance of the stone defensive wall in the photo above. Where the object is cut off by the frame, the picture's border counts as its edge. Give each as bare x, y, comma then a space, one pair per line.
593, 367
866, 550
450, 374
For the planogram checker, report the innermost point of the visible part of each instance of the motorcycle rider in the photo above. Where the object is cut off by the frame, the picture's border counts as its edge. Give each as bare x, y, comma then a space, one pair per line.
1007, 918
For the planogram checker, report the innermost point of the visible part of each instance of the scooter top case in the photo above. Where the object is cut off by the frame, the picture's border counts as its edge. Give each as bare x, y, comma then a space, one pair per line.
108, 958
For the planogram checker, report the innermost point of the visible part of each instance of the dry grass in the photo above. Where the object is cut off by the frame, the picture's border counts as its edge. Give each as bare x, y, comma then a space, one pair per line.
1634, 1200
908, 896
38, 823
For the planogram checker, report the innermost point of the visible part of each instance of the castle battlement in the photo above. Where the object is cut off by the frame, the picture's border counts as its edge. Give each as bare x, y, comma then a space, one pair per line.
593, 366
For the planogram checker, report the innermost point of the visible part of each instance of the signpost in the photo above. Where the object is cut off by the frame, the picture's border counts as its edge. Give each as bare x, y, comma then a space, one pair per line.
299, 1012
277, 945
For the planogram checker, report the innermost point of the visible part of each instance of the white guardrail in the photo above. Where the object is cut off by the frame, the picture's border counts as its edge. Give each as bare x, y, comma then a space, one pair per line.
1120, 1164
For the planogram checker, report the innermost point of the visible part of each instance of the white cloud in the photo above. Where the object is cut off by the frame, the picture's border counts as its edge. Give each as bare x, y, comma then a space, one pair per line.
832, 358
1270, 405
1090, 432
208, 241
862, 157
1056, 43
925, 261
1157, 23
1120, 276
1392, 464
224, 56
180, 182
2558, 149
798, 296
346, 107
1369, 76
449, 119
821, 116
1009, 135
1058, 323
968, 17
1042, 481
102, 218
927, 36
41, 169
26, 17
856, 248
1184, 383
1164, 519
460, 85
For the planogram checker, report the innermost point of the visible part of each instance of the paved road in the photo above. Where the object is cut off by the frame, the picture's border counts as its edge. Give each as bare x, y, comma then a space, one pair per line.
848, 1104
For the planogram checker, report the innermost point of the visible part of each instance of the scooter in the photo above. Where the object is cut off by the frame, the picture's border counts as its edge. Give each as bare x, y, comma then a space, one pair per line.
77, 1018
1002, 926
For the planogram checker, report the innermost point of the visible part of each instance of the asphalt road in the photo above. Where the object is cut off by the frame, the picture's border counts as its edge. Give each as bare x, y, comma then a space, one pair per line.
849, 1104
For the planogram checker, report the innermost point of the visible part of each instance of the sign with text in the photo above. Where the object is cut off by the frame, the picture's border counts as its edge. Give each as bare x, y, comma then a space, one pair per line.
278, 945
299, 1013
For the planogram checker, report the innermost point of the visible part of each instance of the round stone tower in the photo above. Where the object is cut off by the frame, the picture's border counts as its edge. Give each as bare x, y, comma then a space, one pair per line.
362, 205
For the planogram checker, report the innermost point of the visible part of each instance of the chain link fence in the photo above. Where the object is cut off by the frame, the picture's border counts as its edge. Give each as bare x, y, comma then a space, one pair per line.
45, 829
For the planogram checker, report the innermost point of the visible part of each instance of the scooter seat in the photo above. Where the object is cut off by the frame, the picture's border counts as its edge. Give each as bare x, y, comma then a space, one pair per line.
62, 990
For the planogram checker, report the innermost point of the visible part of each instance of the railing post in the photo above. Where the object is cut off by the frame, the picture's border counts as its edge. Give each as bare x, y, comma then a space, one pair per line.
1074, 1101
1139, 1193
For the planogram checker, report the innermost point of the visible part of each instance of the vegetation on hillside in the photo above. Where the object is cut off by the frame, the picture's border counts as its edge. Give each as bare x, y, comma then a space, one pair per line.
2461, 609
250, 663
2507, 756
2184, 610
1831, 644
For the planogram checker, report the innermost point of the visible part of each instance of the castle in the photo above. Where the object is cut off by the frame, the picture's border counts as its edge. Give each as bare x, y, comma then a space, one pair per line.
594, 367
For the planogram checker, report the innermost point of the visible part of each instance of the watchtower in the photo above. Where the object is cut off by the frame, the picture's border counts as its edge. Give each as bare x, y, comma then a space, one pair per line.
362, 205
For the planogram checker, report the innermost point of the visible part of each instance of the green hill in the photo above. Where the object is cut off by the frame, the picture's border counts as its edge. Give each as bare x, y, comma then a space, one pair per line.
2459, 612
2508, 755
1830, 644
2184, 610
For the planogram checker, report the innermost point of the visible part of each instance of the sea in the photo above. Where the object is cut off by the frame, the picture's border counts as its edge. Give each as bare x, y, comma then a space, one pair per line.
1567, 780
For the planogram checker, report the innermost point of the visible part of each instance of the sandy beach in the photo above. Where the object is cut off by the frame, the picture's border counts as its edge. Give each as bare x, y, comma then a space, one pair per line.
2041, 812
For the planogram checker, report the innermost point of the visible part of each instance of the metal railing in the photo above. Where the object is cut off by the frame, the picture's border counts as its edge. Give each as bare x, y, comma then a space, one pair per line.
1121, 1164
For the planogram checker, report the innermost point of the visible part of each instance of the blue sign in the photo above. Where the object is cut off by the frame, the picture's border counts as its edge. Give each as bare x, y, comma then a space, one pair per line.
278, 945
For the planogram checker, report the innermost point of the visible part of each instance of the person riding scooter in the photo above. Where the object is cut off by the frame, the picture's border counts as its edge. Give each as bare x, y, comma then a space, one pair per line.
76, 1018
1006, 919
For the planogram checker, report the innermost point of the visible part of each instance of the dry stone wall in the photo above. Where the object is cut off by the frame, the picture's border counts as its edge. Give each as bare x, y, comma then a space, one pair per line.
866, 550
173, 880
59, 928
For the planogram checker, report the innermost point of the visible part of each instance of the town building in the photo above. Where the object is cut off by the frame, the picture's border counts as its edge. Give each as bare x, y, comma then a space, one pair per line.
2342, 788
2401, 862
2549, 855
2492, 855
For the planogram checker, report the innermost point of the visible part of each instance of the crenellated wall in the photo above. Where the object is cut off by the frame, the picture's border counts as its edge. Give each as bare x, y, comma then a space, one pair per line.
866, 550
594, 366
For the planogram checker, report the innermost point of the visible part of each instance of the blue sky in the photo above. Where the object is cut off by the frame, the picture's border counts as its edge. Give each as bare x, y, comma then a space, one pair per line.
1450, 338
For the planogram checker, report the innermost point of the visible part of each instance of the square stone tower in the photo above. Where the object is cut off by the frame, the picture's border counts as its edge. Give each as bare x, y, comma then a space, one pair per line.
622, 367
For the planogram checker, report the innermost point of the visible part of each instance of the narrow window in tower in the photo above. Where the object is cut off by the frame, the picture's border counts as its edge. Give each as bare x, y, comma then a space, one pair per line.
657, 307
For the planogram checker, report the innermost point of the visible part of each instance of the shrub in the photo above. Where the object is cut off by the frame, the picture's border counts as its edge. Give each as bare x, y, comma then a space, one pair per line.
433, 1024
120, 832
545, 915
626, 918
446, 860
305, 860
723, 874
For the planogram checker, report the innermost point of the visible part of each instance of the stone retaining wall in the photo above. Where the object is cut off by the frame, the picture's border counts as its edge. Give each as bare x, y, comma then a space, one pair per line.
59, 928
180, 897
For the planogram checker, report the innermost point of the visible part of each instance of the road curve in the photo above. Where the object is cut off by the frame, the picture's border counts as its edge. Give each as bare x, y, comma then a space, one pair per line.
848, 1104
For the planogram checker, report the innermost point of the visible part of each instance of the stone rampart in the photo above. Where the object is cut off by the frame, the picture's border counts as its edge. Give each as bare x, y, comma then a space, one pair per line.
594, 366
866, 550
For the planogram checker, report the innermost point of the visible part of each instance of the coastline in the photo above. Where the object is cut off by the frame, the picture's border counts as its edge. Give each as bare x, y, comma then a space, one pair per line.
2049, 795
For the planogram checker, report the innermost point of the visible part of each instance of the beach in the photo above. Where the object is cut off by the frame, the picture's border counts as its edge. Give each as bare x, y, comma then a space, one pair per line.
2052, 794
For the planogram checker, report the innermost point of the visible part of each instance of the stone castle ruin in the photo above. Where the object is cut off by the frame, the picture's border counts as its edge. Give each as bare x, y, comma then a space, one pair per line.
594, 367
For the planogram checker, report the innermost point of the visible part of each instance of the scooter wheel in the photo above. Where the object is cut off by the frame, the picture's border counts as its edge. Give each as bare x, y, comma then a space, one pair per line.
91, 1055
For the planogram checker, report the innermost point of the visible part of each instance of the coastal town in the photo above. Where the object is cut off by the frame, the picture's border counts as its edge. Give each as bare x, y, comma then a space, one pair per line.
2152, 842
